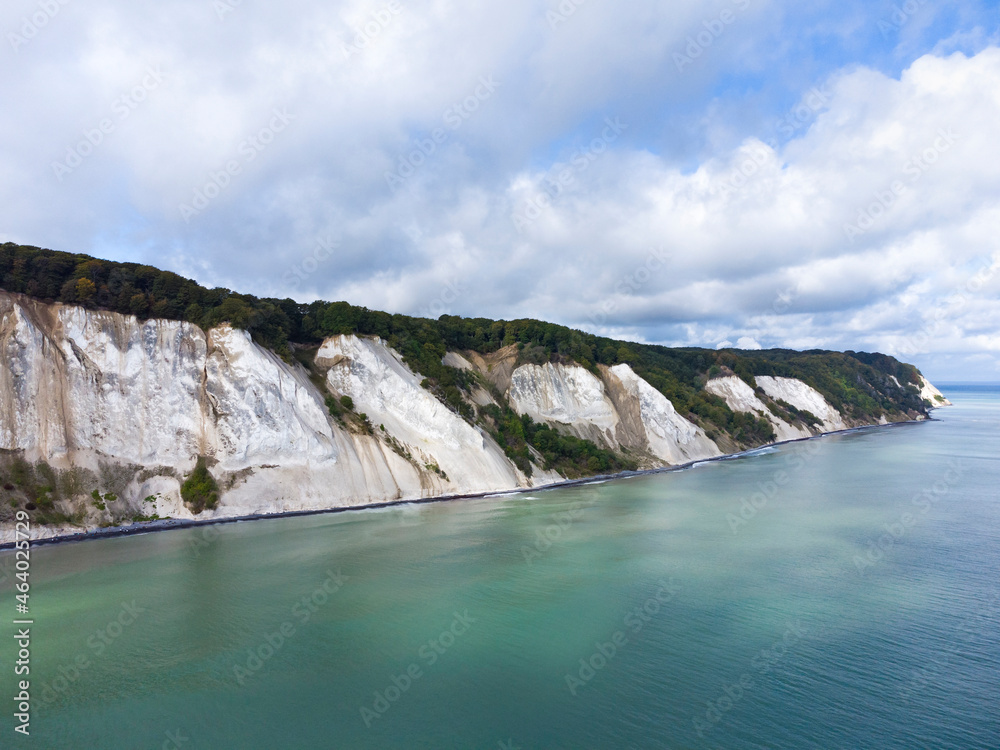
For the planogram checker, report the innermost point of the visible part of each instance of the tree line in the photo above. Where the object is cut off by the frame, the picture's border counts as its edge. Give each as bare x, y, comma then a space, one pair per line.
860, 384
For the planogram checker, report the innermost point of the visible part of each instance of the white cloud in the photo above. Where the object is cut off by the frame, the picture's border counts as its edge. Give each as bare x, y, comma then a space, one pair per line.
746, 239
747, 342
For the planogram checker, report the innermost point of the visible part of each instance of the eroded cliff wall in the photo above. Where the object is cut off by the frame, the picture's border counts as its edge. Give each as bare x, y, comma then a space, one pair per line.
130, 406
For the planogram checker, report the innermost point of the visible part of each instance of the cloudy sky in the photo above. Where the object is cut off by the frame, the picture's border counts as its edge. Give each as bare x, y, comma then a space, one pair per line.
744, 172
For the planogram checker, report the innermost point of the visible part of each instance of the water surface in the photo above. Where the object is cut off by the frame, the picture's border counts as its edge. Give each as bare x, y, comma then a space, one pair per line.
855, 607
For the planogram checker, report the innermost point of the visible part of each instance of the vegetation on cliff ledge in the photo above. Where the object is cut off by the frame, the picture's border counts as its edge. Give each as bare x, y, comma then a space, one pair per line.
200, 490
864, 387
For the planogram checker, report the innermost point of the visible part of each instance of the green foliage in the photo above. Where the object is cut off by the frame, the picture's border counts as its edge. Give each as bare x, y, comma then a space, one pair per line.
98, 500
333, 406
791, 413
200, 490
144, 291
570, 456
347, 402
37, 488
84, 289
860, 384
437, 470
365, 423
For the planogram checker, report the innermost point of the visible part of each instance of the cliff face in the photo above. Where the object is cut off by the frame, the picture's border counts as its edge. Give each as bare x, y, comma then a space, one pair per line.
739, 396
565, 395
660, 429
803, 397
616, 410
136, 403
932, 394
389, 393
129, 407
782, 392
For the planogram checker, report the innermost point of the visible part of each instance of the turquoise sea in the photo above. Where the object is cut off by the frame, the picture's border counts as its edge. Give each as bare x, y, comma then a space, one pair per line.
836, 593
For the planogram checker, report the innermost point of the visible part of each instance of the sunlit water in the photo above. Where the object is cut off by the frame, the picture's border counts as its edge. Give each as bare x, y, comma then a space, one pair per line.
849, 609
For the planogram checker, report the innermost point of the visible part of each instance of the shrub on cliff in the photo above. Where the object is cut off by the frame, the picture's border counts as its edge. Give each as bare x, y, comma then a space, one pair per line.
200, 490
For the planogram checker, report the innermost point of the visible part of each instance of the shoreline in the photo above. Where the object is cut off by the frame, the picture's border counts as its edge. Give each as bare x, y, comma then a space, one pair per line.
151, 527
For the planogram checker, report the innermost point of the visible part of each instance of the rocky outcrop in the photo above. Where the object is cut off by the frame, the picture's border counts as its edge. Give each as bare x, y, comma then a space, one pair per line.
615, 408
739, 396
803, 397
931, 394
784, 392
457, 455
117, 397
661, 430
565, 395
133, 405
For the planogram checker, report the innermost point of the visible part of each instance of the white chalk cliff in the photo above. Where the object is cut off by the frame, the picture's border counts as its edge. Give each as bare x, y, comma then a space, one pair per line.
669, 436
134, 404
739, 396
566, 395
931, 394
803, 397
389, 393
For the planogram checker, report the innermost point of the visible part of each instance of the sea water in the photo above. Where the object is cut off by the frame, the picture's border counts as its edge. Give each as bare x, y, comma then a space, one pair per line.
834, 593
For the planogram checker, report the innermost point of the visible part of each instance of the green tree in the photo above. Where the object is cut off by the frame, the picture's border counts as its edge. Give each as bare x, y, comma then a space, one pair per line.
138, 305
85, 289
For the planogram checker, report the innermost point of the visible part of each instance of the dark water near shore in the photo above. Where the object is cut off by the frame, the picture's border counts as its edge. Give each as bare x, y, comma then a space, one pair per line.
856, 606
